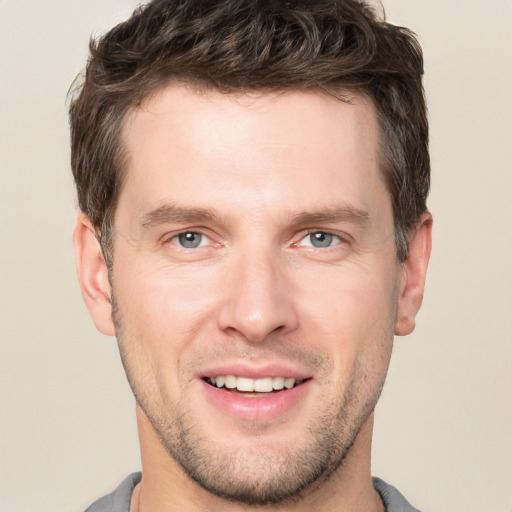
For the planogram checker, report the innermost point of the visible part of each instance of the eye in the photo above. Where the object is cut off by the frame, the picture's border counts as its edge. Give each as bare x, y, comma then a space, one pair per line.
320, 240
190, 239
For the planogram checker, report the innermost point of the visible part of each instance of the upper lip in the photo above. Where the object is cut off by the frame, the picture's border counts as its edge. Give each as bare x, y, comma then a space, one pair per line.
254, 371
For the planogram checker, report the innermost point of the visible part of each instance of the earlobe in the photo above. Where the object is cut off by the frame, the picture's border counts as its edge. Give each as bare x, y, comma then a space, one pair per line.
414, 271
93, 275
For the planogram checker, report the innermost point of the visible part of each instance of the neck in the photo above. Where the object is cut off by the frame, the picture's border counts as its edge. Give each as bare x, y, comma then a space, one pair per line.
166, 488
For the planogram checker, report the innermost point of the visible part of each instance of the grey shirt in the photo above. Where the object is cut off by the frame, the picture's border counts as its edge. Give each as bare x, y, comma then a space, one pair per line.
119, 500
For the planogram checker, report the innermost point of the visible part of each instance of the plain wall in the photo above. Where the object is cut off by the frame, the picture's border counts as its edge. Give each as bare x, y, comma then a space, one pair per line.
444, 424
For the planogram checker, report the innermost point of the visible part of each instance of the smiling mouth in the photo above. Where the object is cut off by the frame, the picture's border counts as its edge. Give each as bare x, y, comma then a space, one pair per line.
263, 385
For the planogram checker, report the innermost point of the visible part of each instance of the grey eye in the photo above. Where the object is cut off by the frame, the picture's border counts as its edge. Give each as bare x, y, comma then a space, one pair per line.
190, 240
321, 239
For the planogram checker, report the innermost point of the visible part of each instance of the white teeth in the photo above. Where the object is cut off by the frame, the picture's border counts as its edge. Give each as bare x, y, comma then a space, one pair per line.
230, 381
278, 383
263, 385
244, 384
289, 383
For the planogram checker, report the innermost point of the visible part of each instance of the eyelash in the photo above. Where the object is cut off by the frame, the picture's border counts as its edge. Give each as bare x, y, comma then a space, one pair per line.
340, 239
175, 236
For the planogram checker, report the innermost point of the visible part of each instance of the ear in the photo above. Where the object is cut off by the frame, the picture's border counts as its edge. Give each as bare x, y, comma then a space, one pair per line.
93, 275
414, 270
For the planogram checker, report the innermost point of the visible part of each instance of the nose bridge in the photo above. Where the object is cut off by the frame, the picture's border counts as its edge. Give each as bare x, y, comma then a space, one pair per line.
258, 301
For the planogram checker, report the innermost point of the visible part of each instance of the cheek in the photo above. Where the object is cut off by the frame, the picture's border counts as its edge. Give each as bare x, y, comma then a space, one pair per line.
353, 314
165, 305
349, 299
160, 316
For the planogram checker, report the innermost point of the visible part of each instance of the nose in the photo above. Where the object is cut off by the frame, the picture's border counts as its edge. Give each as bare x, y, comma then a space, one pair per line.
258, 298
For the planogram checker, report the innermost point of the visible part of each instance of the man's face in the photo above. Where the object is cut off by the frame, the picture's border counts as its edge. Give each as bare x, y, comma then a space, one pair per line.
254, 246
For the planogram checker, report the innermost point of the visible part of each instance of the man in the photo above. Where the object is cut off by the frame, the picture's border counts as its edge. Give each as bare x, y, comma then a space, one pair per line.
252, 178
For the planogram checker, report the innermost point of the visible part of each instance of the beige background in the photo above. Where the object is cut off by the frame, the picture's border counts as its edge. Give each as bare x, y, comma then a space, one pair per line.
444, 425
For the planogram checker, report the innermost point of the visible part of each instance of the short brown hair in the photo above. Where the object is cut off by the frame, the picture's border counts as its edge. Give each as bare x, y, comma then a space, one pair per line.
235, 45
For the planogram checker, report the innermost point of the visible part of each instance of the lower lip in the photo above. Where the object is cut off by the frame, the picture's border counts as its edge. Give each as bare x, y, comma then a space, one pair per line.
256, 408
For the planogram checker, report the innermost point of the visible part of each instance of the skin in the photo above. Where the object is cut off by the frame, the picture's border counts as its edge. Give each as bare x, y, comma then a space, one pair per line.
254, 175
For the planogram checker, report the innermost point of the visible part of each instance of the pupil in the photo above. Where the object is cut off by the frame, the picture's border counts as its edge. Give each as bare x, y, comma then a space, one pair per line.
190, 240
321, 239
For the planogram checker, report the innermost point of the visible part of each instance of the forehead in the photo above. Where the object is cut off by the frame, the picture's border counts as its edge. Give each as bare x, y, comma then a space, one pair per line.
237, 150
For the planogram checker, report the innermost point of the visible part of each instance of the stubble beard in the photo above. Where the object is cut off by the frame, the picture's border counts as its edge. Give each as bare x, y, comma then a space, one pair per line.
259, 475
253, 476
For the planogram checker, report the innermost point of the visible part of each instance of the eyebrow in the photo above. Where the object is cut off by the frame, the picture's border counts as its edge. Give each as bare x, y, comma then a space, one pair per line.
346, 213
169, 213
